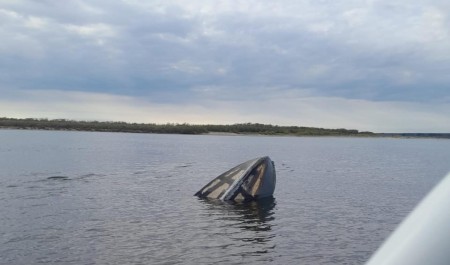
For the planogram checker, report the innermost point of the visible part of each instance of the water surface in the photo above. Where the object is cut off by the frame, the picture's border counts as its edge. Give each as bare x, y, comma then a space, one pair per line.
117, 198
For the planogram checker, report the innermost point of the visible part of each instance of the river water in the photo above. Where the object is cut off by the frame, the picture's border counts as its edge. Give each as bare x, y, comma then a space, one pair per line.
118, 198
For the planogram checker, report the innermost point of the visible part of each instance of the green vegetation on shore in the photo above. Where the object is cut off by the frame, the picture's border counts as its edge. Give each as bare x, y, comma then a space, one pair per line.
245, 128
175, 128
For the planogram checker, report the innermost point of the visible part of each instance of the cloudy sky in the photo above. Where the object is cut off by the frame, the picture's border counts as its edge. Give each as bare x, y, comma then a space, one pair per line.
382, 66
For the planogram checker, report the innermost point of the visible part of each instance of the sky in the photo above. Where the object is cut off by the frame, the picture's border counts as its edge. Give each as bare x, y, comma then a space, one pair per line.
370, 65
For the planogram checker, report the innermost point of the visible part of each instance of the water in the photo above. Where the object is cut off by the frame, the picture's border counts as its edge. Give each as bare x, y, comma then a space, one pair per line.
113, 198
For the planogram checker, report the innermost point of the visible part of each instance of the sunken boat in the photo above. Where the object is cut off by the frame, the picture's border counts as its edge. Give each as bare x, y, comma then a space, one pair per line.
251, 180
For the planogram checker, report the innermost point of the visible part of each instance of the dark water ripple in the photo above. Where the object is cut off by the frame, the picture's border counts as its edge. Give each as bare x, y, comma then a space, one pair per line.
103, 198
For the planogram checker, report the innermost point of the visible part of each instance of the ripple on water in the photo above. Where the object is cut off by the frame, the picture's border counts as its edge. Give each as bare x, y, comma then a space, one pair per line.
58, 178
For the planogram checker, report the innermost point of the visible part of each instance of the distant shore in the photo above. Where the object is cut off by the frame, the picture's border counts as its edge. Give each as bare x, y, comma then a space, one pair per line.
195, 129
222, 133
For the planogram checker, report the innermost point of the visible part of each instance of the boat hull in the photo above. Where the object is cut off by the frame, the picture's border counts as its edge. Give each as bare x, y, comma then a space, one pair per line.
251, 180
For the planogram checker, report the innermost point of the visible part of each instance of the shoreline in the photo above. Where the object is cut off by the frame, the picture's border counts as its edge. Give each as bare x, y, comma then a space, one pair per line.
175, 128
239, 129
444, 136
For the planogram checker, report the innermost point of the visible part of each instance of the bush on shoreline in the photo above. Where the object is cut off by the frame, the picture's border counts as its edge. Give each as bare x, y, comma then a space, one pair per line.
173, 128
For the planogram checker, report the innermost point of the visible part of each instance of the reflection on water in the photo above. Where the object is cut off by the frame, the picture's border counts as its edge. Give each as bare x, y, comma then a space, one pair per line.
248, 224
256, 215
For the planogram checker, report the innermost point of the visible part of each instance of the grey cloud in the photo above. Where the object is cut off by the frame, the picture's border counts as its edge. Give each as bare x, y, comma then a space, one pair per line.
165, 50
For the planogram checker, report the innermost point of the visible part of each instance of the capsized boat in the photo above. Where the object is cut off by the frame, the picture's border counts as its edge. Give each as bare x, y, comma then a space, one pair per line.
250, 180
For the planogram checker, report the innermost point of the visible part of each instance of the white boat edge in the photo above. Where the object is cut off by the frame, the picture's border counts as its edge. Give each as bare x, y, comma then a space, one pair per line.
423, 237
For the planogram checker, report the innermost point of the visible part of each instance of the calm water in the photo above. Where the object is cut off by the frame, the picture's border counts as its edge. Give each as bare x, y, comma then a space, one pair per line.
113, 198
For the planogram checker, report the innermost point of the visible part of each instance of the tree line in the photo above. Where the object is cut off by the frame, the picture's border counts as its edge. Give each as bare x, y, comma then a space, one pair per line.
173, 128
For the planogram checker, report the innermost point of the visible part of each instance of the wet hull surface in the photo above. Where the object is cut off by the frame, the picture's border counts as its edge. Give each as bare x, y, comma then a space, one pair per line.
251, 180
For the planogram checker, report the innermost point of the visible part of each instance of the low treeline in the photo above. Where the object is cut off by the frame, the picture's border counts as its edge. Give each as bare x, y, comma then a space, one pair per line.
416, 135
175, 128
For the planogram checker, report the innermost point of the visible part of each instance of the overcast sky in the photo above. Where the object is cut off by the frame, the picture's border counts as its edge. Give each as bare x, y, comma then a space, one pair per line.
382, 66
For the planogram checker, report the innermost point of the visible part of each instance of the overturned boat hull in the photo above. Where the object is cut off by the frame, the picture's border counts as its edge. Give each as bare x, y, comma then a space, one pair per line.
250, 180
